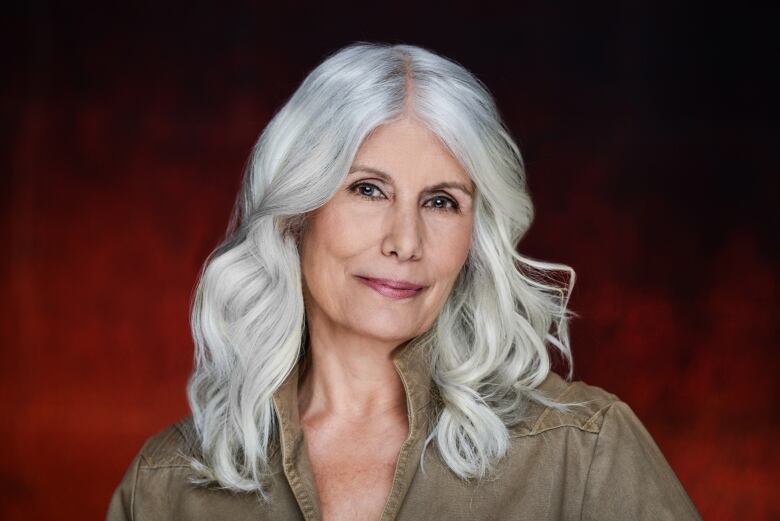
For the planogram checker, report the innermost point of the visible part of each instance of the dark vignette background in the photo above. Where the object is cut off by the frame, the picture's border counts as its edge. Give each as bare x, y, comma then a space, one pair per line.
650, 145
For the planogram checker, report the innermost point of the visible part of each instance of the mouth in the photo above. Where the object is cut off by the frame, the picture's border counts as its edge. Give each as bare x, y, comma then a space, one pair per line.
394, 289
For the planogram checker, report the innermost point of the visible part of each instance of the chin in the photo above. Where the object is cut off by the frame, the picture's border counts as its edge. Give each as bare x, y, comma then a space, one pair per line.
386, 328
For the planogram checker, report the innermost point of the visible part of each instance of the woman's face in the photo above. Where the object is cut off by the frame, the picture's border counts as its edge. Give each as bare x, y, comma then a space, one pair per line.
404, 213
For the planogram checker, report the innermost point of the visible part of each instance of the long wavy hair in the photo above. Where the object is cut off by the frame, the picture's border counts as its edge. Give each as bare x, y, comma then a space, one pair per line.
489, 343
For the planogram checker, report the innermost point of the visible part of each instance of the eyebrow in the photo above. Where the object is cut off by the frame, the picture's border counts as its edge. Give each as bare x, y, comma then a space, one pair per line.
389, 179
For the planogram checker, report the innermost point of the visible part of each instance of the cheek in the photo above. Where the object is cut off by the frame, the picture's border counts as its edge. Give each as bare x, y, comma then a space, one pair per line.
452, 242
333, 238
342, 233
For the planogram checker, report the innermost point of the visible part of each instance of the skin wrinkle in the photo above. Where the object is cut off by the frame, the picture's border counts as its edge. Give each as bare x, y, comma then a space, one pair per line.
388, 179
350, 389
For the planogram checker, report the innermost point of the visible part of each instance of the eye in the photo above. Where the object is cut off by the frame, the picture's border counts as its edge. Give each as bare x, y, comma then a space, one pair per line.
440, 199
440, 202
365, 190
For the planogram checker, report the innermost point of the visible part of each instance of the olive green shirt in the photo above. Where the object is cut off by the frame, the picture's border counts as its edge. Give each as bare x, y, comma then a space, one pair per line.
597, 463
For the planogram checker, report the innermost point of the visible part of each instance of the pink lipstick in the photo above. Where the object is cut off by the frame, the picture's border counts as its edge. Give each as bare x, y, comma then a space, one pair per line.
392, 288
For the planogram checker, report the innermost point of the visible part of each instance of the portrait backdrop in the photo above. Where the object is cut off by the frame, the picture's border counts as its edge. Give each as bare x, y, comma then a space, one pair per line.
650, 147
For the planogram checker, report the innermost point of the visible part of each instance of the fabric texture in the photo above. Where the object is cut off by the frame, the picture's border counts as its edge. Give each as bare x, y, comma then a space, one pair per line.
596, 463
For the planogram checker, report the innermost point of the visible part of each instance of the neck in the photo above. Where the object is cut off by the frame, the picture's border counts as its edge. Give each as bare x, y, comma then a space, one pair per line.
352, 382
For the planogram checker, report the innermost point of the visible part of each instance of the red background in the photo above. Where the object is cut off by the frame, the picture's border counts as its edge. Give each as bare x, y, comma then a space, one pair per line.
646, 131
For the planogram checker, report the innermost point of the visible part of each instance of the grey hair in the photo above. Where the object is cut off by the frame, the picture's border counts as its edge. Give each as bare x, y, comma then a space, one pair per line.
489, 342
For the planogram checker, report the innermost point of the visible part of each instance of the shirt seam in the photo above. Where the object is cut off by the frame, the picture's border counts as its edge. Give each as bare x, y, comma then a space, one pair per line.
391, 504
592, 457
135, 487
579, 427
159, 467
547, 410
181, 431
157, 447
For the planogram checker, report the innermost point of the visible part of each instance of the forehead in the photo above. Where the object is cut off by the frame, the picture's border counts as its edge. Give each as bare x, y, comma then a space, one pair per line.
408, 148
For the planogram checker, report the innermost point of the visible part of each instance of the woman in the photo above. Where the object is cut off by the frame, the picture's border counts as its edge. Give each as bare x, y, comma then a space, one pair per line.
369, 344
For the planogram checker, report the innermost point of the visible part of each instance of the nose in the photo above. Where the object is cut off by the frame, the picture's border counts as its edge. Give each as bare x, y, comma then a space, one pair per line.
403, 236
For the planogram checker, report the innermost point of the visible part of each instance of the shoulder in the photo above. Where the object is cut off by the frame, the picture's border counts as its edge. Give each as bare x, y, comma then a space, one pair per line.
603, 446
170, 447
588, 406
156, 473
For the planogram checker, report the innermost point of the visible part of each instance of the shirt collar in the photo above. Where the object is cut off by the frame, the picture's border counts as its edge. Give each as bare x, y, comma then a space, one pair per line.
414, 366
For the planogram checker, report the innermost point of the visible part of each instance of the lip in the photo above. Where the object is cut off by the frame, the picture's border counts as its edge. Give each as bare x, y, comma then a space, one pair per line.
397, 289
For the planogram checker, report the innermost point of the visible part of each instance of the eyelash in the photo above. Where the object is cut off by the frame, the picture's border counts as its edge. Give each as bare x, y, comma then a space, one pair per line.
455, 208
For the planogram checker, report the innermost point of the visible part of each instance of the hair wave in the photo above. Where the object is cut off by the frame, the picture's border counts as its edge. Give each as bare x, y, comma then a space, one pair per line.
489, 343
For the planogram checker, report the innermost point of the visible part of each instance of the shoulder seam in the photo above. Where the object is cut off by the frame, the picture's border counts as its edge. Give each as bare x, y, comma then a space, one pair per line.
163, 441
161, 467
177, 426
547, 409
600, 412
157, 445
135, 486
553, 427
588, 425
143, 457
590, 464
